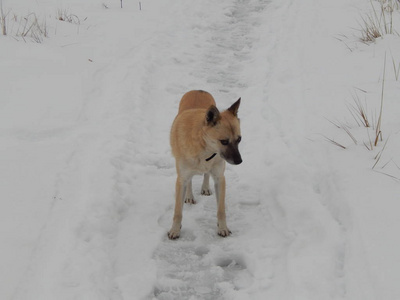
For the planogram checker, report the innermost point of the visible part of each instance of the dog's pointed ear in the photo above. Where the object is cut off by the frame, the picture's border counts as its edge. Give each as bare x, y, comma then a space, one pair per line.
212, 116
235, 107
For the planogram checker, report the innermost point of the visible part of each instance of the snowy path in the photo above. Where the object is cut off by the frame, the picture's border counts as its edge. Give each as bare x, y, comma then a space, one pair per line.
201, 264
193, 269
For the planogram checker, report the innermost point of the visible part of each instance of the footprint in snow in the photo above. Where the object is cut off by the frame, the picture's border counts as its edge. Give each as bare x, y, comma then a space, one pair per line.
189, 269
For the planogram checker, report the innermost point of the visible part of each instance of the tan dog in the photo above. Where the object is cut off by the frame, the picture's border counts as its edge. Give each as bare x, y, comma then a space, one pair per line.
202, 139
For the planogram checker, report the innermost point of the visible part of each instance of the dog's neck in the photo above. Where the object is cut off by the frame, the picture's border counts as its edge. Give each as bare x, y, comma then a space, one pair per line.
211, 157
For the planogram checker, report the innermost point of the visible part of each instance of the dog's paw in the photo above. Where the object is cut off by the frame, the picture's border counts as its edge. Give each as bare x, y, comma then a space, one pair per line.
190, 201
174, 233
206, 192
224, 232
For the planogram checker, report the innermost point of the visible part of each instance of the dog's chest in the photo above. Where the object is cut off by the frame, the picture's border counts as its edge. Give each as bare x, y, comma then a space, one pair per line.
204, 167
201, 166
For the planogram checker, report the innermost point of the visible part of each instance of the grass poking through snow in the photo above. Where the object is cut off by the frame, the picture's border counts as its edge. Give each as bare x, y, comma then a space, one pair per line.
65, 16
334, 142
379, 123
31, 27
358, 110
379, 21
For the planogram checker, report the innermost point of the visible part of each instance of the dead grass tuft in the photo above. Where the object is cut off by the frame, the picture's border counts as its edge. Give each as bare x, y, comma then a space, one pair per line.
30, 27
379, 21
358, 110
65, 16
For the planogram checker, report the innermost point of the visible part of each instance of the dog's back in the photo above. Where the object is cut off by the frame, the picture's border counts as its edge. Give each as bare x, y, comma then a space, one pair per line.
190, 118
196, 99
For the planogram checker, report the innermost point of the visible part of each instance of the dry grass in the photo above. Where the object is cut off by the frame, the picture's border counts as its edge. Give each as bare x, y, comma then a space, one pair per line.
358, 110
30, 27
334, 142
379, 155
347, 130
396, 68
65, 16
3, 18
379, 21
369, 145
25, 27
378, 132
390, 5
389, 162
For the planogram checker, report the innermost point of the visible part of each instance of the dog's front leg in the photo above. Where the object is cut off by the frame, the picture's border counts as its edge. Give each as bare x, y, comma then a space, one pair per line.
180, 190
220, 193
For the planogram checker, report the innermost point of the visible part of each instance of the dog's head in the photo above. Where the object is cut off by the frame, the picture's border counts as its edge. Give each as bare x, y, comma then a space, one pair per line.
222, 132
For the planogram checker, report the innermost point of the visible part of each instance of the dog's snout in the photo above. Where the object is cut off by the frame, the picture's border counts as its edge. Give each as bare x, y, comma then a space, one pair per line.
233, 159
232, 155
237, 159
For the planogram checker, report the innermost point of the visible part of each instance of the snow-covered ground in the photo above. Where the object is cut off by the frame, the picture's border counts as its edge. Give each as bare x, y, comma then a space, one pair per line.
87, 176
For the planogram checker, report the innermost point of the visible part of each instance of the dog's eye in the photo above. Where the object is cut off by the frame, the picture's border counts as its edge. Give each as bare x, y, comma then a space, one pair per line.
224, 142
239, 139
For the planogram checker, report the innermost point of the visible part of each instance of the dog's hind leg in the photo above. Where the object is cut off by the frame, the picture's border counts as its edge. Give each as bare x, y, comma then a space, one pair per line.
205, 188
189, 194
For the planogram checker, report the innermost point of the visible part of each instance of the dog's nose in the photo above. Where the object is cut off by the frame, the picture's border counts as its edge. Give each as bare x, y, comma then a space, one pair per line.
238, 161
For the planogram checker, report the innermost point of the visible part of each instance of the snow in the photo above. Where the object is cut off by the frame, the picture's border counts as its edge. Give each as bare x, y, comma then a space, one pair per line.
87, 176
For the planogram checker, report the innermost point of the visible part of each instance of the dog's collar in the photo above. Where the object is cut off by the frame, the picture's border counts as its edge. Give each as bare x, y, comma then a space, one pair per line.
211, 157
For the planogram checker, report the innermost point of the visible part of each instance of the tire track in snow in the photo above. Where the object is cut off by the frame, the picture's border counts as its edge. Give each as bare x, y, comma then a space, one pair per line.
303, 198
97, 185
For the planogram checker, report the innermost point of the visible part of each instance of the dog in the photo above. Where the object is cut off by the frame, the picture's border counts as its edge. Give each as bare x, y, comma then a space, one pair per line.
202, 138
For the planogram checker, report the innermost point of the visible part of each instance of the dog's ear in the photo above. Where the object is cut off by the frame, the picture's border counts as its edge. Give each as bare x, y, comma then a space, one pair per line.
212, 116
235, 107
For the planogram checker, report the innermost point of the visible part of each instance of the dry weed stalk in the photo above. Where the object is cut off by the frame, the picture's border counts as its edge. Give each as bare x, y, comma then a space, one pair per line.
3, 17
347, 130
379, 155
378, 131
334, 143
396, 69
359, 111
